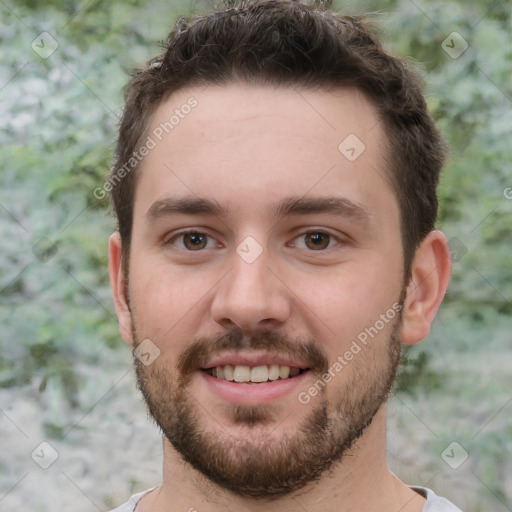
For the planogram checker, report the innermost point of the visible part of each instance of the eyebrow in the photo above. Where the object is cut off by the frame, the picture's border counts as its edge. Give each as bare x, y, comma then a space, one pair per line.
331, 205
191, 205
169, 206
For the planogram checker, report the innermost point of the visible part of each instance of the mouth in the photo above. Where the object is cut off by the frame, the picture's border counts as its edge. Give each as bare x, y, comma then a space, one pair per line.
254, 377
254, 374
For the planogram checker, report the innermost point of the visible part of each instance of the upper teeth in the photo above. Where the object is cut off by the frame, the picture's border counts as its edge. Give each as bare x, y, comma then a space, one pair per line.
242, 373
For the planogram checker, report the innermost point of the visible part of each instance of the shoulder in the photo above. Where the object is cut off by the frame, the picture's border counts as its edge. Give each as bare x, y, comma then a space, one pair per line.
434, 502
130, 505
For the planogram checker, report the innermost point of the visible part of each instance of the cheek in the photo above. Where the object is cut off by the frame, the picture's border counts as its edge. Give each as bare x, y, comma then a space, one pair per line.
164, 300
344, 302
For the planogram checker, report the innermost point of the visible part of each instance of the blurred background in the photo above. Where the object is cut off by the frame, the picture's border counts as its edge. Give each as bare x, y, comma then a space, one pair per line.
74, 434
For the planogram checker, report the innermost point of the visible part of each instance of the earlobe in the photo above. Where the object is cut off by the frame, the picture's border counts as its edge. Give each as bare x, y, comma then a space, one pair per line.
430, 275
118, 285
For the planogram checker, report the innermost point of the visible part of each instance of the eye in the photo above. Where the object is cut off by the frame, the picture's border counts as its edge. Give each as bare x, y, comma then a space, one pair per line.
191, 241
316, 241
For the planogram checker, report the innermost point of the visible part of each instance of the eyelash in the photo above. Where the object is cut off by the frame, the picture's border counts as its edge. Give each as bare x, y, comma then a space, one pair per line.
181, 234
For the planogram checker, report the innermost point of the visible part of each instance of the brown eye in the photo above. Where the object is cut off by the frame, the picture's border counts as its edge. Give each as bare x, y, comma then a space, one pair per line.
195, 241
190, 241
317, 241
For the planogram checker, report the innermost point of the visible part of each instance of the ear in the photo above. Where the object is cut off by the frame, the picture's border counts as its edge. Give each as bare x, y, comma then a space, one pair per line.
430, 275
118, 285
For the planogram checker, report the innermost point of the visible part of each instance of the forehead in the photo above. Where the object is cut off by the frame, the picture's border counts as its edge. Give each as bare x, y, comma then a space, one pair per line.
223, 141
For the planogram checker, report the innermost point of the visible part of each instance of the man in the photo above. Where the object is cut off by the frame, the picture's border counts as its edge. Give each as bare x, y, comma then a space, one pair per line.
275, 189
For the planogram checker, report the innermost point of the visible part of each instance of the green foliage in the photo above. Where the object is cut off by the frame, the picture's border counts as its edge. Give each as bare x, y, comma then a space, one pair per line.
417, 375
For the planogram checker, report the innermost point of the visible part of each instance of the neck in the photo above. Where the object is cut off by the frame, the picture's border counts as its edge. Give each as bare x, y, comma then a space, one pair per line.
362, 481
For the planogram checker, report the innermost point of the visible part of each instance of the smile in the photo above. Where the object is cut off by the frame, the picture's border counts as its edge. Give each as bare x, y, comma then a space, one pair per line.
254, 374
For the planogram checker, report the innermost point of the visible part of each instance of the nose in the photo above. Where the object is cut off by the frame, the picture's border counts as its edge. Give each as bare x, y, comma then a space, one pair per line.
251, 296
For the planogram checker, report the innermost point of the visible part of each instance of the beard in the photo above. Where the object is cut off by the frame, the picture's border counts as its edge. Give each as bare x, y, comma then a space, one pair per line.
255, 464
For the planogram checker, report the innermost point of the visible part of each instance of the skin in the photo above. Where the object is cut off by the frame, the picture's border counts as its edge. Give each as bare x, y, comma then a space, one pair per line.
277, 143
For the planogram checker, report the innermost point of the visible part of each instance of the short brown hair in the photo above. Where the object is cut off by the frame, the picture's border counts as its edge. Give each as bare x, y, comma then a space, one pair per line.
288, 43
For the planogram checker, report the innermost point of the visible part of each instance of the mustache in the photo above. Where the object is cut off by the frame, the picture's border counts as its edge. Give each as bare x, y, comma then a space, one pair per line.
201, 350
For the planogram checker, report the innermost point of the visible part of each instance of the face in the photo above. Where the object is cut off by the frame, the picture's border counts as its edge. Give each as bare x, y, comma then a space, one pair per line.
266, 268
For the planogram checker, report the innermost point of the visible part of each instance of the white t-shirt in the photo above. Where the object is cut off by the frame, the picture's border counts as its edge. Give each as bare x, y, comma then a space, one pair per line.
434, 503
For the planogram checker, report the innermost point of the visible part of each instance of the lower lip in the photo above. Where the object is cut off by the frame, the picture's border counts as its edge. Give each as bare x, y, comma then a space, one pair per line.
244, 393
